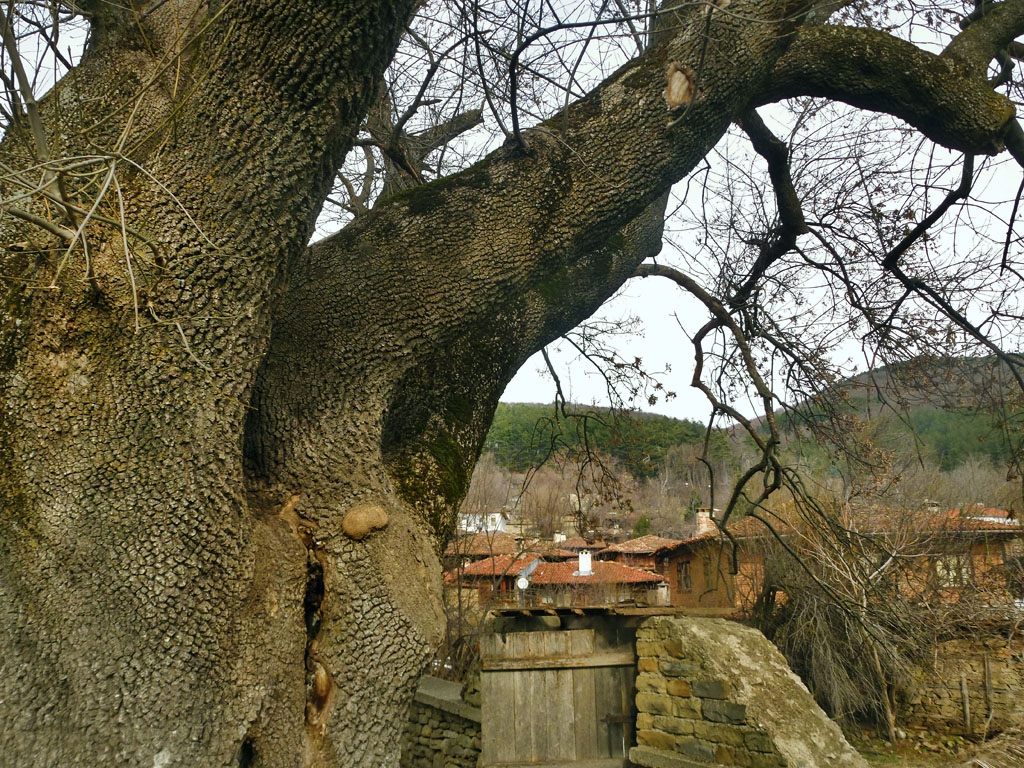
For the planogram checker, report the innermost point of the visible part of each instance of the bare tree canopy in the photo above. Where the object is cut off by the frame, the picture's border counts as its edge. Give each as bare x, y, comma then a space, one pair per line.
228, 459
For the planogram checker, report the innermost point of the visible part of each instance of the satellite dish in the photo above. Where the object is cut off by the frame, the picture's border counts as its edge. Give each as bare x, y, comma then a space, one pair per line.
522, 582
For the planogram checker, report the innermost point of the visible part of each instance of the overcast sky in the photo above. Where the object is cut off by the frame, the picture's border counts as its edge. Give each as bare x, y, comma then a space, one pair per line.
661, 306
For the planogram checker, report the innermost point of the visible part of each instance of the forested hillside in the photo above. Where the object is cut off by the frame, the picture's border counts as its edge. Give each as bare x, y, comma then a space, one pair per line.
939, 429
524, 434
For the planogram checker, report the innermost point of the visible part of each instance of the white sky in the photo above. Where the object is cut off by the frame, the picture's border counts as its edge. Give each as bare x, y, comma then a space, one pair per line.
661, 306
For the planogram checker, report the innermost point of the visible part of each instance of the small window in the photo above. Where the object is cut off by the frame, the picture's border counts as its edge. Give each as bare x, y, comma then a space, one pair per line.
710, 574
952, 571
685, 580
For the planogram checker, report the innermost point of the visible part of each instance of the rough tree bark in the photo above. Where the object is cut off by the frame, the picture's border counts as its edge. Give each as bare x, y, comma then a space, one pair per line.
218, 529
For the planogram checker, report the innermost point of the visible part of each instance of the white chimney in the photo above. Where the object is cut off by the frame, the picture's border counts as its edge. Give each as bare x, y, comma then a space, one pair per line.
585, 564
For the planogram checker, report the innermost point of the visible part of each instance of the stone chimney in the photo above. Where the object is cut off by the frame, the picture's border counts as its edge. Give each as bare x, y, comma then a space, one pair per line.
704, 521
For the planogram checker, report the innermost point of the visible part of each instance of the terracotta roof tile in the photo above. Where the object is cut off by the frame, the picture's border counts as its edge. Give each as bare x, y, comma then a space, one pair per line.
605, 572
645, 545
578, 542
555, 553
500, 565
484, 545
877, 520
698, 537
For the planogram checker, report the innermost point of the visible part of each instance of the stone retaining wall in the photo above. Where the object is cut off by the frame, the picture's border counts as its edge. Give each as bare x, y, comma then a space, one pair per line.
443, 731
936, 701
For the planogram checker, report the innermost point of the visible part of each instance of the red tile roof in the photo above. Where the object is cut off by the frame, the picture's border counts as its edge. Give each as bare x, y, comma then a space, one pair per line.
645, 545
501, 565
879, 520
484, 545
578, 542
554, 553
699, 537
605, 572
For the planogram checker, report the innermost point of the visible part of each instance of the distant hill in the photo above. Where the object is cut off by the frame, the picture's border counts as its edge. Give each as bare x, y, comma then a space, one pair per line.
945, 409
524, 434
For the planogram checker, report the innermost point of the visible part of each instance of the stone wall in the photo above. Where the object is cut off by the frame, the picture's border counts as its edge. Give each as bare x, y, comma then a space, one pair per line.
936, 700
443, 731
712, 692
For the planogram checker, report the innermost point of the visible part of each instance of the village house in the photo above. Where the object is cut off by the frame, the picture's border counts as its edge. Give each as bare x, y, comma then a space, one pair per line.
973, 554
644, 552
483, 521
696, 568
478, 546
535, 580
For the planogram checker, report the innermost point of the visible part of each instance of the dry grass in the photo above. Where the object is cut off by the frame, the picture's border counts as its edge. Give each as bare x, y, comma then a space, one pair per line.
1004, 751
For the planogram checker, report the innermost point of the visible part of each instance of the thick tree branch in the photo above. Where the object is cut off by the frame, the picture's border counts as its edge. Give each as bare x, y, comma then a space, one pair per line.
986, 36
872, 70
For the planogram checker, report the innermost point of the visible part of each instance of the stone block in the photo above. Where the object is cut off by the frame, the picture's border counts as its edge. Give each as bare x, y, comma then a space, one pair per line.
674, 725
689, 708
656, 758
652, 683
644, 721
650, 648
696, 749
719, 711
656, 739
719, 734
655, 703
731, 756
674, 647
647, 664
678, 687
758, 741
711, 689
677, 668
765, 760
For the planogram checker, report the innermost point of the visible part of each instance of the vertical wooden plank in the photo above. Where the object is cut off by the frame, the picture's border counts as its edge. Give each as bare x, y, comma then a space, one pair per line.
561, 722
584, 705
497, 705
585, 713
546, 645
627, 686
559, 736
522, 746
605, 705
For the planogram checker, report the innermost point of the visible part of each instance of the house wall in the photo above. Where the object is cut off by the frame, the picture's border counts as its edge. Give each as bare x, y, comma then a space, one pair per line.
749, 580
711, 584
956, 570
985, 581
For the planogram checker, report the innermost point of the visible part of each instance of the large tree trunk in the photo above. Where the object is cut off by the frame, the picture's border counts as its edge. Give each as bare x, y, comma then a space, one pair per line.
219, 532
151, 613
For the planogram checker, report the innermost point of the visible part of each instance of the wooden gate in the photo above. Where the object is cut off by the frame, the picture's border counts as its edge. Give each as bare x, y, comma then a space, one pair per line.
556, 699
